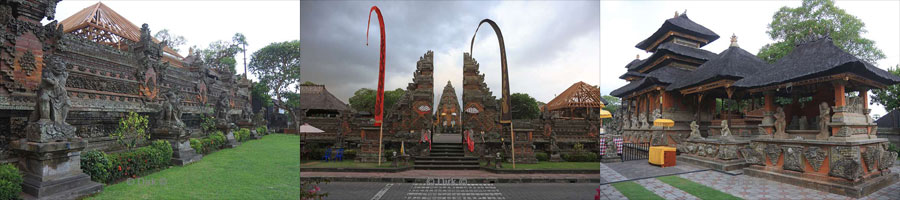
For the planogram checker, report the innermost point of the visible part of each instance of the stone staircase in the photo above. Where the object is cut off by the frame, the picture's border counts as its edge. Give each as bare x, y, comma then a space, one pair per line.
447, 156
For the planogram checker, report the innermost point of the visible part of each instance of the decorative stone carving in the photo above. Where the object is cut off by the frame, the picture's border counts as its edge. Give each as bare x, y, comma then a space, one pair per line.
773, 152
845, 162
872, 154
712, 150
626, 123
52, 104
644, 124
792, 158
170, 113
701, 149
695, 131
753, 156
815, 156
634, 121
27, 62
780, 123
656, 115
824, 118
887, 160
761, 130
222, 106
726, 132
728, 152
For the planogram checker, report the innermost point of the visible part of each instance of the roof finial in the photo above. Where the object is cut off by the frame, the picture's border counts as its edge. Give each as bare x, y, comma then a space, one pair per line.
734, 40
637, 56
676, 14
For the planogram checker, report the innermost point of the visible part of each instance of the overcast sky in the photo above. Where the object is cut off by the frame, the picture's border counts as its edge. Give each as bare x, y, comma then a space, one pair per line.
625, 23
549, 45
202, 22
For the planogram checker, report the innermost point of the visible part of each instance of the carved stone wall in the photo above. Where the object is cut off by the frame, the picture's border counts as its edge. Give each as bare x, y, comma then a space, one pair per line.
480, 107
414, 110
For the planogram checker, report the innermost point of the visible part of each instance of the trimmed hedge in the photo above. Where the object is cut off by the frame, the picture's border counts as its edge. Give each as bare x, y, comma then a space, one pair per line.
209, 144
580, 157
108, 168
349, 154
10, 182
541, 156
197, 145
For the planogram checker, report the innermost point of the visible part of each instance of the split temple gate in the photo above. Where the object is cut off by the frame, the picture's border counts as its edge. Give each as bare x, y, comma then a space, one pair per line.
802, 120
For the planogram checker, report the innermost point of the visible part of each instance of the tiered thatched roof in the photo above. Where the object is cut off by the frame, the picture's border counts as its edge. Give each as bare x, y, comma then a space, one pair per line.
579, 95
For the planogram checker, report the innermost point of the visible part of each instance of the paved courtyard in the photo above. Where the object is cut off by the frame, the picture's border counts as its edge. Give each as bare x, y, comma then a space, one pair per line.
741, 186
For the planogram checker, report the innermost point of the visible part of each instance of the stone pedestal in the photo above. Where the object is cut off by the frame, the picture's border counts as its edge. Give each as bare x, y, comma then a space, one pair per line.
182, 152
718, 154
851, 168
555, 157
230, 141
53, 169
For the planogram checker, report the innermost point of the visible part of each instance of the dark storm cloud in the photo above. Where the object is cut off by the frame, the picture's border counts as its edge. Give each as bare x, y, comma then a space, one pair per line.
333, 38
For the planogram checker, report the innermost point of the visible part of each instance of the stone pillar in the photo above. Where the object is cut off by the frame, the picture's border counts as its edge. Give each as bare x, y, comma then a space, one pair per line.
53, 169
848, 122
182, 152
767, 126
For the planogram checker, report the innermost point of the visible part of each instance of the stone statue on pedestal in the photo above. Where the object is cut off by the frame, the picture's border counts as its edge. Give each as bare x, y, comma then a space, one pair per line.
554, 150
170, 113
222, 106
52, 107
626, 122
695, 131
726, 132
644, 124
824, 118
780, 123
170, 127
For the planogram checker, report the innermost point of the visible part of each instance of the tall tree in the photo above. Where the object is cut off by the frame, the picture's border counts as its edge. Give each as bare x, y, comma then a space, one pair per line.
240, 41
614, 103
818, 17
890, 96
175, 41
277, 65
260, 94
364, 99
524, 106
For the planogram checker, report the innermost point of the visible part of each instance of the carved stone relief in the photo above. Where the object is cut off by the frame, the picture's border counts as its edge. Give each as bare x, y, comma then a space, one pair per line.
845, 162
815, 156
773, 152
872, 154
792, 158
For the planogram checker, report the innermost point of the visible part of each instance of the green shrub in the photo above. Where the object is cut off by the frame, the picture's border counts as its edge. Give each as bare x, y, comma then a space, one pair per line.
894, 148
541, 156
349, 154
218, 140
208, 123
197, 145
132, 129
108, 168
208, 145
389, 153
10, 182
242, 135
96, 164
580, 157
315, 154
262, 130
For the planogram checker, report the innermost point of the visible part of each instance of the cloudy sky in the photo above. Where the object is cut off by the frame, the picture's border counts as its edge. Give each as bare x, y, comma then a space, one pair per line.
202, 22
625, 23
549, 45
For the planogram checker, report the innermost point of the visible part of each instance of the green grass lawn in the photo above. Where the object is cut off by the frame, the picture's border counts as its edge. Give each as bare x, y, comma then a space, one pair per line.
632, 190
693, 188
267, 168
346, 164
553, 165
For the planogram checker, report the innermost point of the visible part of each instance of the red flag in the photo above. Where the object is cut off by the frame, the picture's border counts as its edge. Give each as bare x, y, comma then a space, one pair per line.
379, 97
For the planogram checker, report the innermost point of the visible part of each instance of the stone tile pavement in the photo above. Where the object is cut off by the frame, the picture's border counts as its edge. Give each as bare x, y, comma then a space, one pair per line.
665, 190
747, 187
609, 192
637, 169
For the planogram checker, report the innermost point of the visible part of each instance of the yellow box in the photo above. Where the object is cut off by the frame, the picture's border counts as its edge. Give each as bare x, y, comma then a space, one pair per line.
657, 154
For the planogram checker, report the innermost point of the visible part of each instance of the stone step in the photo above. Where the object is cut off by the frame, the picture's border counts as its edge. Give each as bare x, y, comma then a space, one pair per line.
448, 167
446, 162
446, 154
458, 158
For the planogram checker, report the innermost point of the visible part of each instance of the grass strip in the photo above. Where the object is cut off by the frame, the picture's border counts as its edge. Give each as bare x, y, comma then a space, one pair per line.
632, 190
696, 189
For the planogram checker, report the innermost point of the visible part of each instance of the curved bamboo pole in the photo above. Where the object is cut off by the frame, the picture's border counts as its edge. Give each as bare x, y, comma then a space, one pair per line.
505, 117
379, 99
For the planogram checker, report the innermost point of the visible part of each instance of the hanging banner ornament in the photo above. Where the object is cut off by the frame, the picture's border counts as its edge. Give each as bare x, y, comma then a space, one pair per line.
379, 98
505, 117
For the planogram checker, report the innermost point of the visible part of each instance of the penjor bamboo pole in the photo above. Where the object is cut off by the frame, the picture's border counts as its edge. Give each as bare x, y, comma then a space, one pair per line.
513, 141
380, 128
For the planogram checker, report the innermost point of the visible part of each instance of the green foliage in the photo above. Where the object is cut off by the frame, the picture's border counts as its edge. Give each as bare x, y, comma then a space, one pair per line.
364, 99
217, 140
132, 129
96, 164
820, 17
888, 97
894, 148
10, 182
242, 135
293, 99
175, 41
220, 54
523, 106
308, 83
208, 123
388, 154
632, 190
541, 156
614, 103
580, 157
260, 93
578, 147
108, 168
278, 66
262, 130
197, 145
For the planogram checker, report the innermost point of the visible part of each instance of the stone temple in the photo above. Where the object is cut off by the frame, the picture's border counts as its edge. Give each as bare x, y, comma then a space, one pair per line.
65, 85
802, 120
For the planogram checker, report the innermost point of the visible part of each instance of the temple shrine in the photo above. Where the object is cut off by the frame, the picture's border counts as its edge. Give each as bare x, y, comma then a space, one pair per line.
802, 120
